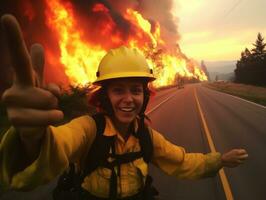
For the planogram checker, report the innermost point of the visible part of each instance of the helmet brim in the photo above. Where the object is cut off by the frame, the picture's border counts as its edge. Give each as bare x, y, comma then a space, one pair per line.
149, 77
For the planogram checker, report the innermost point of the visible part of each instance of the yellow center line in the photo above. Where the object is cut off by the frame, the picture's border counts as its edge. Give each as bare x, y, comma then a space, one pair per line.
225, 183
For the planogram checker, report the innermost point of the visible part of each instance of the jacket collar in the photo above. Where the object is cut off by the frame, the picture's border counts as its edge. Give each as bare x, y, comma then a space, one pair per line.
110, 130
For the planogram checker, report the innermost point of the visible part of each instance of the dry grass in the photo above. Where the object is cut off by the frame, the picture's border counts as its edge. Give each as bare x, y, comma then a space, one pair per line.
248, 92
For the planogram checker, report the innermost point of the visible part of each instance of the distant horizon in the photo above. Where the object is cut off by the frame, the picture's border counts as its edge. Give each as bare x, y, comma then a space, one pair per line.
217, 30
224, 67
220, 61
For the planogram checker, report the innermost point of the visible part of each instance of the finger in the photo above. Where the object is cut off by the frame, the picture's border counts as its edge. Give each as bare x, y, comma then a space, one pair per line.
241, 151
19, 55
54, 89
30, 97
31, 117
240, 161
243, 157
37, 59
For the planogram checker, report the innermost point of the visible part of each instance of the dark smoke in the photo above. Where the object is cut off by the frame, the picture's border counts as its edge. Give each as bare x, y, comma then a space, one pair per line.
94, 22
154, 10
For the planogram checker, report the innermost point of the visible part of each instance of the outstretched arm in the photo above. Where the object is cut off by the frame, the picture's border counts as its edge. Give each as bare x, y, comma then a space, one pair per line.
174, 161
30, 108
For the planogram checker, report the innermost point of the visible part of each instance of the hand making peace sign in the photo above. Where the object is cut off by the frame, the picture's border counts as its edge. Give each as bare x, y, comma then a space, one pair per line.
28, 103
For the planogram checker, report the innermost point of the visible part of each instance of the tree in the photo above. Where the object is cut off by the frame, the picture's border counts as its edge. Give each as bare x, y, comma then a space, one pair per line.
251, 68
247, 53
259, 45
246, 57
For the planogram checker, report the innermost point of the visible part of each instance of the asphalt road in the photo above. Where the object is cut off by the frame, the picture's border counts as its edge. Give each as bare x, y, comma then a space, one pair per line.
232, 122
236, 123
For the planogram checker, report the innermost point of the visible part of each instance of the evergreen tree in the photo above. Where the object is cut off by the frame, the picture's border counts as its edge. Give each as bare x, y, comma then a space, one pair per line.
247, 53
259, 45
251, 68
247, 56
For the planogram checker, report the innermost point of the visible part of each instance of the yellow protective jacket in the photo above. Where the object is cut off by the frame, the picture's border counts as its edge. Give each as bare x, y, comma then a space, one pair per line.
71, 142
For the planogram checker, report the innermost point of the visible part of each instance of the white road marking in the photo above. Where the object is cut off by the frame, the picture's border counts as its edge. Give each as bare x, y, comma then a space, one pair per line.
157, 106
236, 97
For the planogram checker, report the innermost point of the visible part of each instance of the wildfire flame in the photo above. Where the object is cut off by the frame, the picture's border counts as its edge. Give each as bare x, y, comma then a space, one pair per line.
80, 57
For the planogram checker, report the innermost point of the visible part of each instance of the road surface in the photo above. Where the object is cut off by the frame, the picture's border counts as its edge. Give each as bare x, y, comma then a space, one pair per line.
232, 122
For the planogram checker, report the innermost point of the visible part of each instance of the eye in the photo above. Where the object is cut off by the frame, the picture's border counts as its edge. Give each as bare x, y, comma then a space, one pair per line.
137, 90
118, 90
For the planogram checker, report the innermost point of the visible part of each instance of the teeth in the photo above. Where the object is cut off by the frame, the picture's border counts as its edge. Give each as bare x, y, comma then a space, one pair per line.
127, 109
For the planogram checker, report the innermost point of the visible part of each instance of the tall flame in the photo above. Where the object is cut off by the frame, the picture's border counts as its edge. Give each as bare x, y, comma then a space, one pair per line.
81, 57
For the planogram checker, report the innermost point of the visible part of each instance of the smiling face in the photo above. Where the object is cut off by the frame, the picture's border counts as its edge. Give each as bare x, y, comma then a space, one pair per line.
126, 97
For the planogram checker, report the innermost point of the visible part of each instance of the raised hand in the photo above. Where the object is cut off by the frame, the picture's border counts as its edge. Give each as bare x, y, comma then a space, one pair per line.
28, 105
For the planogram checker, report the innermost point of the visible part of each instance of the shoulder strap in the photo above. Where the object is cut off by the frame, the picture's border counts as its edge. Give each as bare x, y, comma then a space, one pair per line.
145, 141
100, 147
100, 123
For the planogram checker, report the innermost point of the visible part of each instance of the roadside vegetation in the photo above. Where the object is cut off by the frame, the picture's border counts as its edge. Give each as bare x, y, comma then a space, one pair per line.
250, 75
249, 92
251, 67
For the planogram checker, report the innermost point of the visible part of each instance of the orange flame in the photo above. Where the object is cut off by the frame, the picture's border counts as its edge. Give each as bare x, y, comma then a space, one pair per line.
80, 58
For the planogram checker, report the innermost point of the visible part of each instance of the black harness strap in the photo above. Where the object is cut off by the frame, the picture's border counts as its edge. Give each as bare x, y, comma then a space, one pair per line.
119, 159
98, 157
122, 159
145, 140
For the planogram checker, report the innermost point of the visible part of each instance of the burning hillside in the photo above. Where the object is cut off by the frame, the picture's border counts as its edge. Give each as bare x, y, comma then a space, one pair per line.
76, 34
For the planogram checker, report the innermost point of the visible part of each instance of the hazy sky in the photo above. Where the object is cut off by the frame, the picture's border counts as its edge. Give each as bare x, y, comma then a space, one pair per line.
219, 29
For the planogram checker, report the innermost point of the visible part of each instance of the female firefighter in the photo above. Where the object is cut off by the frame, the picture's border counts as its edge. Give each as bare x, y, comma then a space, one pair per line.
33, 152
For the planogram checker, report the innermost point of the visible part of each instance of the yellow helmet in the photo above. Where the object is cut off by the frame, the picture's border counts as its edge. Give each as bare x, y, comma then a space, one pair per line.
123, 62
